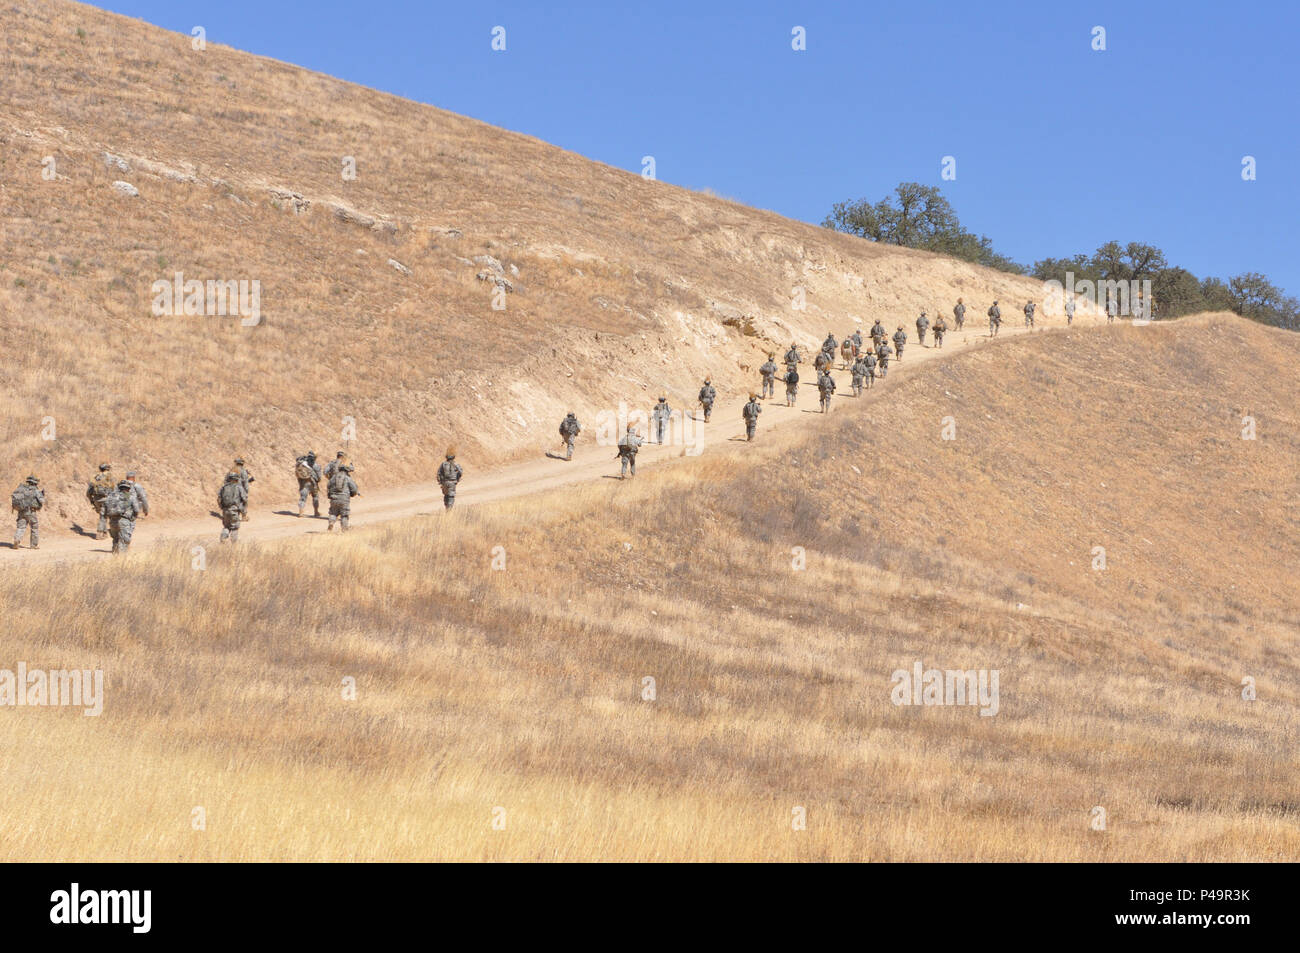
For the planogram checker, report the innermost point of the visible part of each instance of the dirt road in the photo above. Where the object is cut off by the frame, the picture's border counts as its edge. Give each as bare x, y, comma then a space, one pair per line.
276, 519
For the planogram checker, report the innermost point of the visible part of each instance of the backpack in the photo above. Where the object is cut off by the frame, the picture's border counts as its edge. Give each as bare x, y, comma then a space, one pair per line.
21, 498
228, 496
338, 483
119, 503
304, 471
792, 377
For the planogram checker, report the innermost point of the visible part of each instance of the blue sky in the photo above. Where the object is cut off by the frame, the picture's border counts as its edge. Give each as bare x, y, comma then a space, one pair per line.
1058, 147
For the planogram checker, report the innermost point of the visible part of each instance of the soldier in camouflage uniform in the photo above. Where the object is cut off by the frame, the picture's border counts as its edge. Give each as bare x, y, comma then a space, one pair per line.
859, 373
628, 445
869, 362
141, 497
661, 416
882, 358
940, 329
959, 313
26, 501
245, 480
569, 430
309, 476
877, 333
1112, 306
900, 339
1069, 310
825, 387
97, 491
857, 341
922, 325
995, 320
122, 507
822, 362
232, 499
750, 412
341, 489
332, 467
449, 474
708, 394
829, 345
792, 356
791, 380
768, 374
1029, 314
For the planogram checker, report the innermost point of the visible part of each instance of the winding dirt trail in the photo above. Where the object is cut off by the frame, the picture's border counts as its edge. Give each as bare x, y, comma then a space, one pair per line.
276, 519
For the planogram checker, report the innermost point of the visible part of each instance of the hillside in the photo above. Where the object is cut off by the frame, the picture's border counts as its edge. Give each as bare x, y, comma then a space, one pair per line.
521, 689
620, 286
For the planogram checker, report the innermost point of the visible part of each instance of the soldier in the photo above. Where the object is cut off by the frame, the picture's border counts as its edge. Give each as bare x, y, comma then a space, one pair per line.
141, 498
1029, 314
857, 341
792, 356
309, 475
339, 459
825, 387
877, 333
750, 413
882, 358
708, 393
940, 328
245, 480
449, 474
660, 417
628, 445
822, 362
859, 376
26, 501
1112, 306
922, 325
569, 430
232, 499
829, 345
1069, 310
900, 339
97, 491
791, 380
341, 488
869, 362
768, 374
995, 320
846, 351
959, 313
122, 507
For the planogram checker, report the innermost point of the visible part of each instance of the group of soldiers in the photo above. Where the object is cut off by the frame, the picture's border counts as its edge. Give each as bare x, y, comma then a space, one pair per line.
118, 504
865, 363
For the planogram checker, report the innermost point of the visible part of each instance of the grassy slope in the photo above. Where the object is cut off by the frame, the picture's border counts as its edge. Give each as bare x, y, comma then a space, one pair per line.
622, 289
521, 688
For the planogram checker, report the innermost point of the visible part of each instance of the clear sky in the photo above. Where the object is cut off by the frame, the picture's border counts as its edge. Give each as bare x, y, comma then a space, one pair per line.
1058, 147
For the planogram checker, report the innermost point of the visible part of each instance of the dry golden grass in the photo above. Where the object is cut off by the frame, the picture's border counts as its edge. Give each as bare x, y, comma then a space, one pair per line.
623, 284
521, 689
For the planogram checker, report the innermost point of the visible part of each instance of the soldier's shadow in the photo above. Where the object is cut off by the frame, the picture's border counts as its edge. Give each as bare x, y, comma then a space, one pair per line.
82, 531
275, 513
556, 456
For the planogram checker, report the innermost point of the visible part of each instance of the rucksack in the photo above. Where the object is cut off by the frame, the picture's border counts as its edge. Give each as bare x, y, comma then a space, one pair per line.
119, 503
338, 483
304, 470
228, 497
20, 498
